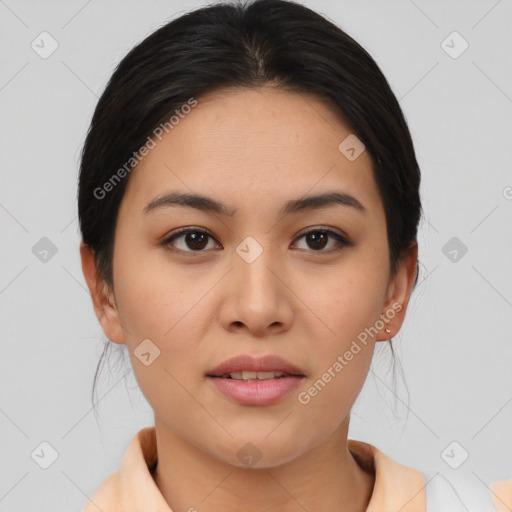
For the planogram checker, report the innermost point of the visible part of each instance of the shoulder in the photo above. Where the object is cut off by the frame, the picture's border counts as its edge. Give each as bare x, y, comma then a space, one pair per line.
396, 487
501, 492
107, 496
400, 487
132, 485
455, 490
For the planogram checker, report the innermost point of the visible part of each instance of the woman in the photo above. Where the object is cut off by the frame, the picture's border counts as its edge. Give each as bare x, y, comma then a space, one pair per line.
249, 204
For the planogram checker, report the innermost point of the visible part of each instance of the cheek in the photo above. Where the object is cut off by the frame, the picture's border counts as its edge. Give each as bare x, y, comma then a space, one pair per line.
350, 299
158, 303
342, 357
155, 300
166, 310
349, 303
346, 352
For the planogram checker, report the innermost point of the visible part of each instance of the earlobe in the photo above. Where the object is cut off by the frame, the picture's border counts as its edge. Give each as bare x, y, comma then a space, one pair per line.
102, 297
399, 291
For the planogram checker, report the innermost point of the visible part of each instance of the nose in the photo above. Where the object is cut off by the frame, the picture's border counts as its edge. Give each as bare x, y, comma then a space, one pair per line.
257, 297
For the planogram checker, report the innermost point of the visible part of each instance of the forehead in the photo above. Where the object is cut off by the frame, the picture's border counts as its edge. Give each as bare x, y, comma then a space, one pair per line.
248, 143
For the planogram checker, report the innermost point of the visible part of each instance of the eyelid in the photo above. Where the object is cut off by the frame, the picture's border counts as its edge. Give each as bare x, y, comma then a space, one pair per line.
327, 229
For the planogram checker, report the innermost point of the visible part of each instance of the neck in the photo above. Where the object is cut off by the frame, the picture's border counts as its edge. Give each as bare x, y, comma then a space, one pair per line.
327, 477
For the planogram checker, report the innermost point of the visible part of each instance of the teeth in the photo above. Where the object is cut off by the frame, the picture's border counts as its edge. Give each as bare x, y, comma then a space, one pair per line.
247, 375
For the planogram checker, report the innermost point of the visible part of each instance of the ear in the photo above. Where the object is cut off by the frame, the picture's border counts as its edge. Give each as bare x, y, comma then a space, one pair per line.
102, 297
398, 294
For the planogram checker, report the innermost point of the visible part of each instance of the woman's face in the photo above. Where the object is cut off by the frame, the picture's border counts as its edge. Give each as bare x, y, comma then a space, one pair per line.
250, 281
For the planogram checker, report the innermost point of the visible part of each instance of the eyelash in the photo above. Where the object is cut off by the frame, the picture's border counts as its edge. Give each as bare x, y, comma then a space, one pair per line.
341, 240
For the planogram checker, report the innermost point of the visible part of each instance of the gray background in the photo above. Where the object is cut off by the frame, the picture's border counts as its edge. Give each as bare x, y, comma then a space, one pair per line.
456, 345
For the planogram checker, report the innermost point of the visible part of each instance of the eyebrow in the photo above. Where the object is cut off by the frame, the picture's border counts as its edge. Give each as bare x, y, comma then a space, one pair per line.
209, 204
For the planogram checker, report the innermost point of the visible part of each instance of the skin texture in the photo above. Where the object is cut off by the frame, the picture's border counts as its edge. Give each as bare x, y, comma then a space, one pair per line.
253, 150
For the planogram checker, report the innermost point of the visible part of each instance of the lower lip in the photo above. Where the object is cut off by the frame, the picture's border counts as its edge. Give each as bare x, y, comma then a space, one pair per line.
256, 392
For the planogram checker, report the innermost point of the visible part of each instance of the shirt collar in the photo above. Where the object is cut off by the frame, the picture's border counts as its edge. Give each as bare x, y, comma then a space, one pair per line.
397, 487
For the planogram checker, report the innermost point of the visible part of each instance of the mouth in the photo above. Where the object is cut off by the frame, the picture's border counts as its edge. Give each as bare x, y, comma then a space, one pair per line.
248, 368
255, 381
247, 376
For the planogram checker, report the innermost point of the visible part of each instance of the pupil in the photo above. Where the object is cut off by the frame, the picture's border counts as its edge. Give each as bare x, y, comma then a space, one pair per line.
196, 240
317, 237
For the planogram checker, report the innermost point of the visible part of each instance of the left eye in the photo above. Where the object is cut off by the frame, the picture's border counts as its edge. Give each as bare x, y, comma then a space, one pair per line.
318, 240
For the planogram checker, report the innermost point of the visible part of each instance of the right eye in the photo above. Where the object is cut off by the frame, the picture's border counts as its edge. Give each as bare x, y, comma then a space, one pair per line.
188, 240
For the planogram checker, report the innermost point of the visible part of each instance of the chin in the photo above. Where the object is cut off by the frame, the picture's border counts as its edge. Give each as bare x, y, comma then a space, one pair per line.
257, 453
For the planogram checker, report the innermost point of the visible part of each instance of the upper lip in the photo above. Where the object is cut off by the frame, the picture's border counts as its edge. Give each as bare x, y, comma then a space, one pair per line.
269, 363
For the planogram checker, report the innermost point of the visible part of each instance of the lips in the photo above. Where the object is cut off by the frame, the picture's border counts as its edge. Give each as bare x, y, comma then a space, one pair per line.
255, 381
248, 363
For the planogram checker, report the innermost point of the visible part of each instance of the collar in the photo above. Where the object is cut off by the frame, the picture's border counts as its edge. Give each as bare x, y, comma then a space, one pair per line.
397, 487
132, 487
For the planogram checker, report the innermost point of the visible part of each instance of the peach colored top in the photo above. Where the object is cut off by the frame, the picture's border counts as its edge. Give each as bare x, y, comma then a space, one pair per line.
397, 487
